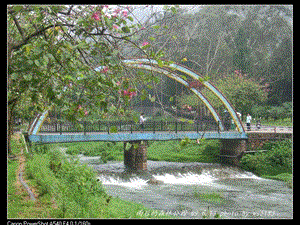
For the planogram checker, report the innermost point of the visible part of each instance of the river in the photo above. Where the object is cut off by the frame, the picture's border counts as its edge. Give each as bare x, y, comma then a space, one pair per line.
191, 190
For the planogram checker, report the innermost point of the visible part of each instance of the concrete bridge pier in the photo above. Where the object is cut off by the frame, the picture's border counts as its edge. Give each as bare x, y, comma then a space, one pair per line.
135, 155
232, 151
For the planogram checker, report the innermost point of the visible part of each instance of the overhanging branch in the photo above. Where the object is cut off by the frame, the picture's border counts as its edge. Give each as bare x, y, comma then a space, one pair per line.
37, 33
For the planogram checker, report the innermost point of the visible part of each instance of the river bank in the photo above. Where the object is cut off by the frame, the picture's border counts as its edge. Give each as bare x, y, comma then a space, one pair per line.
92, 195
276, 163
63, 189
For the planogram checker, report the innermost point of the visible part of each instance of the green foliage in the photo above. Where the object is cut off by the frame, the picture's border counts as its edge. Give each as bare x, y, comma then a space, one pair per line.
173, 151
210, 196
275, 112
76, 190
52, 53
278, 159
243, 92
74, 186
106, 150
38, 168
281, 73
39, 149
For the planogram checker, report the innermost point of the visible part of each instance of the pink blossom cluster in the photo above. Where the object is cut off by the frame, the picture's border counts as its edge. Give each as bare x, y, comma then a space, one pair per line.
266, 87
85, 111
104, 70
109, 14
128, 93
239, 73
145, 43
195, 84
187, 107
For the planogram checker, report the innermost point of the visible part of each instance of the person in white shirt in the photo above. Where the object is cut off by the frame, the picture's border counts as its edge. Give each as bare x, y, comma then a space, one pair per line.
248, 121
142, 121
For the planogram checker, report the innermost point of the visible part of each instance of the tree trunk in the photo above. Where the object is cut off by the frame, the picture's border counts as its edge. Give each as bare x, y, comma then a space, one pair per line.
10, 121
11, 103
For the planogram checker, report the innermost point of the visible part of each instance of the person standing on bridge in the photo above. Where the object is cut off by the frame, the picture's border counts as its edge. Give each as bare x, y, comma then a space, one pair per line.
258, 123
248, 121
142, 121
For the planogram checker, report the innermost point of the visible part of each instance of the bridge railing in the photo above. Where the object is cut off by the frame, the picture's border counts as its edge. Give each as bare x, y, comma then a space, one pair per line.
128, 126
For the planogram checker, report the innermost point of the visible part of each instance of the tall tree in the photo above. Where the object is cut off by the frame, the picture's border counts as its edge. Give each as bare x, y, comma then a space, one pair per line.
281, 74
53, 50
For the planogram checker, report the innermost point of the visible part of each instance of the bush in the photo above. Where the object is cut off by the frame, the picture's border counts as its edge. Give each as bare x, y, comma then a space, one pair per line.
40, 149
277, 160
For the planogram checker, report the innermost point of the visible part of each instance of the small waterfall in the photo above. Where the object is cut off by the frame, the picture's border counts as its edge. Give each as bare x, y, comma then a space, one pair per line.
174, 173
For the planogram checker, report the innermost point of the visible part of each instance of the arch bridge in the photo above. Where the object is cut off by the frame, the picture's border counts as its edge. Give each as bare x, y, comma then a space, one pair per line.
194, 123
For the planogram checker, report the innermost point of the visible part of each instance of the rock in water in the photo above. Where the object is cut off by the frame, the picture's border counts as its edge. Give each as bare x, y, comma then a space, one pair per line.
154, 181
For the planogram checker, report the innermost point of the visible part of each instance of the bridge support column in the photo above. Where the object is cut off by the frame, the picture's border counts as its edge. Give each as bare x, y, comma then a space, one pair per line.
135, 155
232, 151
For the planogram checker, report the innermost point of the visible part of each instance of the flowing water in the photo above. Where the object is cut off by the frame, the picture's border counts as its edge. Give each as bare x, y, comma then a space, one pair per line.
192, 190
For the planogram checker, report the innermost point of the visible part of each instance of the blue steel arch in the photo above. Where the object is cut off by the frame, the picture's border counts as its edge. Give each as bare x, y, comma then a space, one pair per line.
150, 64
180, 80
196, 76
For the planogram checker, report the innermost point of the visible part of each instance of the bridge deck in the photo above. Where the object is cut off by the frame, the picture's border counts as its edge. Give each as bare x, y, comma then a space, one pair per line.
134, 136
56, 137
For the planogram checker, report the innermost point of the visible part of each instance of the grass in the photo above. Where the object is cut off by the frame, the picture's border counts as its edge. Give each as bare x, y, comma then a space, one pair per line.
174, 151
64, 189
279, 122
19, 204
106, 150
211, 197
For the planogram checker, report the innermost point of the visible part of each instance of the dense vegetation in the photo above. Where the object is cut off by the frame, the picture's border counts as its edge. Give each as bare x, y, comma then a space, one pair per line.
65, 189
276, 163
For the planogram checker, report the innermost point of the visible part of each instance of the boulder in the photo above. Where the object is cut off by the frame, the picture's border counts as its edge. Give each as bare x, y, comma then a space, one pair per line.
152, 180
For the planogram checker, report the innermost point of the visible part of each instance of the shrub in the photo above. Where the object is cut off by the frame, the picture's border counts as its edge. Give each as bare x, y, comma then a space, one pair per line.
278, 159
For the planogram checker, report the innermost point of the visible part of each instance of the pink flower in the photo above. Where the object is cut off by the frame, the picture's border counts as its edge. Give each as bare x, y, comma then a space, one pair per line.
107, 15
125, 92
142, 28
95, 16
115, 26
86, 113
104, 70
117, 10
145, 43
79, 107
124, 13
132, 94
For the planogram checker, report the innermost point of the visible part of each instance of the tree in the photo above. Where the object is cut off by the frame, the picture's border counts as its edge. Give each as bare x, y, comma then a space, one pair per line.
53, 50
240, 58
243, 92
281, 74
